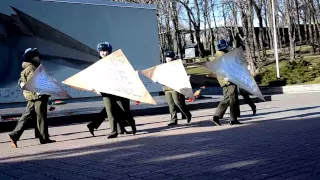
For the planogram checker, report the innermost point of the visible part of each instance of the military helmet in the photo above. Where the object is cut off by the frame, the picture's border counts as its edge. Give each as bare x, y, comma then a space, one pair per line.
105, 46
222, 45
170, 54
30, 53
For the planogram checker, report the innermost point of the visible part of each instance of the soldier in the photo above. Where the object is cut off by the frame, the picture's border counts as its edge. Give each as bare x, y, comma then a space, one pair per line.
37, 103
243, 92
176, 100
248, 100
230, 94
115, 106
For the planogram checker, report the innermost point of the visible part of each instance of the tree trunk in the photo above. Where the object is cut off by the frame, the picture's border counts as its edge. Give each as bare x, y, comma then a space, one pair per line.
255, 41
214, 17
197, 29
212, 47
168, 29
315, 23
161, 39
271, 29
305, 21
175, 22
289, 17
278, 25
237, 31
283, 36
205, 30
261, 30
248, 35
190, 29
198, 39
311, 35
251, 34
170, 11
298, 20
278, 34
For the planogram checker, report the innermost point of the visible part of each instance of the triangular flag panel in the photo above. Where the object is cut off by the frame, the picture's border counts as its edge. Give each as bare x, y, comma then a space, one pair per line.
42, 83
173, 75
113, 75
83, 80
233, 66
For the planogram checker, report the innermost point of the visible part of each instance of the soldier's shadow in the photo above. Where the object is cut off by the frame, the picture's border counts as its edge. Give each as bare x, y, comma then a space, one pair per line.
285, 110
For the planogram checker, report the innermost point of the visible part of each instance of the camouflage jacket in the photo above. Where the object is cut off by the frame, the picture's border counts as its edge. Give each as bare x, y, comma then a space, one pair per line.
26, 74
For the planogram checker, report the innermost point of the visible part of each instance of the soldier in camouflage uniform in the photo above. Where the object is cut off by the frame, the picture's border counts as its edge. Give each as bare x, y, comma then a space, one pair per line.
244, 93
116, 108
37, 103
230, 94
176, 100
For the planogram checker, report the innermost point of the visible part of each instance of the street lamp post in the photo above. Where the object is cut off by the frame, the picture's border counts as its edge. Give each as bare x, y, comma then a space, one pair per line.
275, 39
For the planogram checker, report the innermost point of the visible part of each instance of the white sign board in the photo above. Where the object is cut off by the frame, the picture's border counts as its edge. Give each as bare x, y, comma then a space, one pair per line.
113, 75
233, 66
173, 75
42, 83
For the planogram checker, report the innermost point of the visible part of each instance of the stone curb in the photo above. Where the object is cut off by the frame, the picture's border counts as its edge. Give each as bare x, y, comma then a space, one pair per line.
291, 89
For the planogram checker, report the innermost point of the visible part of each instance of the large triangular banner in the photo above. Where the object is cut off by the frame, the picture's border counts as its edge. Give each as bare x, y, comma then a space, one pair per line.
42, 83
173, 75
233, 66
113, 75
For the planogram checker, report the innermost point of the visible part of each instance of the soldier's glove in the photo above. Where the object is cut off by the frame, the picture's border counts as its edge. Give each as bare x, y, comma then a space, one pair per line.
22, 84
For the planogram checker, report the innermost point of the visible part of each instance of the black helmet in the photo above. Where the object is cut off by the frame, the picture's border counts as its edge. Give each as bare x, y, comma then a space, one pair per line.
170, 54
222, 45
30, 53
105, 46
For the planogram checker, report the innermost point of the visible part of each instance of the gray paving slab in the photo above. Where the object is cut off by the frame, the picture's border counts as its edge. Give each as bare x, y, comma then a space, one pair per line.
281, 142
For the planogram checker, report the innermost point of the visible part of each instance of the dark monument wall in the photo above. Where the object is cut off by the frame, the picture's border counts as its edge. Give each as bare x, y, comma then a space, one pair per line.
66, 35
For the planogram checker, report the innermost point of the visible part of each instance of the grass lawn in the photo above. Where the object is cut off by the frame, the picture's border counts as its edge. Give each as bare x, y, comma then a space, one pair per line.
316, 81
199, 70
303, 49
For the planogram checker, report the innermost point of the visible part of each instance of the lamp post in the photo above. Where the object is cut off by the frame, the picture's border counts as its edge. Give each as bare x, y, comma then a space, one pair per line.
275, 39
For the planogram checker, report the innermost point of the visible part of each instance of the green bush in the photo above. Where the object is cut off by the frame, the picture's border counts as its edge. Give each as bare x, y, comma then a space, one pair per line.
296, 72
268, 76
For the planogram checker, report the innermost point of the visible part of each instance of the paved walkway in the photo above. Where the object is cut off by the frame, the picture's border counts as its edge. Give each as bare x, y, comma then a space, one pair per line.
281, 142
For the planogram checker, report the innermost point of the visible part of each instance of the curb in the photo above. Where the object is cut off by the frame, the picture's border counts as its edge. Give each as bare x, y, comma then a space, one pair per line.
291, 89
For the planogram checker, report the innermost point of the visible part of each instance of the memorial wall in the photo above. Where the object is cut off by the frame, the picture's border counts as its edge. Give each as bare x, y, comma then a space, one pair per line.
66, 34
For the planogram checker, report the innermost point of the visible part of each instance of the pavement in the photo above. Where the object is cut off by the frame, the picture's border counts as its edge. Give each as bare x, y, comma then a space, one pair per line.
83, 110
281, 142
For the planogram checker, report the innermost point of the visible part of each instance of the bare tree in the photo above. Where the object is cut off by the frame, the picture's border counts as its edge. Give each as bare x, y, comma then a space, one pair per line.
268, 4
245, 16
175, 22
305, 17
314, 22
308, 15
291, 27
195, 21
298, 19
205, 22
207, 13
207, 10
258, 9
